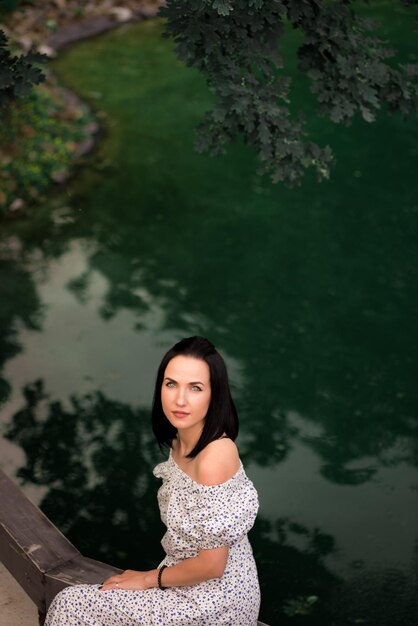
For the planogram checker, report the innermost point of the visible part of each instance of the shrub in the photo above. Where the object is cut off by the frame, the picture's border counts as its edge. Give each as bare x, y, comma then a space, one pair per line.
38, 144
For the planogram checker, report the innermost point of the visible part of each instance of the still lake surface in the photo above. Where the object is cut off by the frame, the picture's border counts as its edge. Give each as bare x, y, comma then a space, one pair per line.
310, 294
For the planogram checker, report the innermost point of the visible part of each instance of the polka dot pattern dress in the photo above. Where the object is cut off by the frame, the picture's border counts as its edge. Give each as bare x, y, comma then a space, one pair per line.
198, 517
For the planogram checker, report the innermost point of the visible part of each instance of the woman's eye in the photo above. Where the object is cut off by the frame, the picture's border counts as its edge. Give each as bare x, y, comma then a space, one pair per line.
169, 384
196, 388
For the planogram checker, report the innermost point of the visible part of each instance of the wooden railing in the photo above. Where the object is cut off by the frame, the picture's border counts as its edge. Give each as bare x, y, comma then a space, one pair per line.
37, 554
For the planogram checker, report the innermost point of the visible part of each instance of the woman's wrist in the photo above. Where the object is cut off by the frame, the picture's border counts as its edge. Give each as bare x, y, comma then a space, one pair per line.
151, 578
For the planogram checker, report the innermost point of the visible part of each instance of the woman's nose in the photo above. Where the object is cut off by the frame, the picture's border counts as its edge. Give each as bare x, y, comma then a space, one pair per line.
181, 397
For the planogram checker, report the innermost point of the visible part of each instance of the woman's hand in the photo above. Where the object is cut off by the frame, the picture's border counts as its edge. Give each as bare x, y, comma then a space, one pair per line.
130, 579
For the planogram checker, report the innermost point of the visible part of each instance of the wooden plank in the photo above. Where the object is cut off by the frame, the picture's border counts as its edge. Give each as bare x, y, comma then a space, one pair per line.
79, 571
27, 574
30, 530
30, 544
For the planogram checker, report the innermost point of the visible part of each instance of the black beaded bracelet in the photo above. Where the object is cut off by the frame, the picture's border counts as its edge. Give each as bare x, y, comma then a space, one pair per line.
160, 571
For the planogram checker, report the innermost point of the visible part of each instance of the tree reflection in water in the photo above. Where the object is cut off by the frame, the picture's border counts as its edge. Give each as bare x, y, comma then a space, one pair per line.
96, 459
20, 308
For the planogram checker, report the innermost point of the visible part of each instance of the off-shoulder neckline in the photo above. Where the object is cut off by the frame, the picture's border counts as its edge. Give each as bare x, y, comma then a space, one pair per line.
177, 466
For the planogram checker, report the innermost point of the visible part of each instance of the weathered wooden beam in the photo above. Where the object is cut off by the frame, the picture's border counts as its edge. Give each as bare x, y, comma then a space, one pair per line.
37, 554
79, 571
30, 544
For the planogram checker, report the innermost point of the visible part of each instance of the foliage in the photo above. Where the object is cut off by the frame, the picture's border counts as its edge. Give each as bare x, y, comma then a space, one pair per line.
38, 143
236, 45
18, 74
300, 605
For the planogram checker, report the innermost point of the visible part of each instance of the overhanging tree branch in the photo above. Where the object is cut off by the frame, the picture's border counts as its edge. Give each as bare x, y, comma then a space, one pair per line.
236, 45
18, 74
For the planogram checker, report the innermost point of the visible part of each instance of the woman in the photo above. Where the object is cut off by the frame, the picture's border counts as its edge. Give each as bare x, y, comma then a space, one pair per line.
208, 576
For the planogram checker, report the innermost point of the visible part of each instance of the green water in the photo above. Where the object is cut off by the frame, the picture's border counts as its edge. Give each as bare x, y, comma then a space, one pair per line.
311, 295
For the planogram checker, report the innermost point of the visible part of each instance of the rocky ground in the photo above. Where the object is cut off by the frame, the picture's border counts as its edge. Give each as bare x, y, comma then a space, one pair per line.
35, 25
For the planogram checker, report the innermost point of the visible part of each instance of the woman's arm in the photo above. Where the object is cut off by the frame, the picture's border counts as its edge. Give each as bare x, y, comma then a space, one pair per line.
208, 564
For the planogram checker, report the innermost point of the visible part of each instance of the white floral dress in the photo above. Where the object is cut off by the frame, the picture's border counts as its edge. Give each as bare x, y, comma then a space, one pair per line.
197, 517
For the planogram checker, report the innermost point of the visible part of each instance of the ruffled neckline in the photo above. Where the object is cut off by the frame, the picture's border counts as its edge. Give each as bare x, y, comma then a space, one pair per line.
177, 467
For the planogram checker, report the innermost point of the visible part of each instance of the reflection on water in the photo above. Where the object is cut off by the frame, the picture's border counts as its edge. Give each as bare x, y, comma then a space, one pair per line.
310, 294
365, 515
96, 458
95, 337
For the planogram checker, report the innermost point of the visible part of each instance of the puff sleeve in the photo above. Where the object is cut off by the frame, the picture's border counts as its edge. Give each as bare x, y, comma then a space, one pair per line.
223, 514
161, 470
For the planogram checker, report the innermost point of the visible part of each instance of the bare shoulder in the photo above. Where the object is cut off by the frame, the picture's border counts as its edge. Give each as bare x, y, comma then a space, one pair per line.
217, 462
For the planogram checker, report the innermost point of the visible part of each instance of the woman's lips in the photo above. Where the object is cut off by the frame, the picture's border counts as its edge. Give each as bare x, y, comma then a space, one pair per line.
180, 413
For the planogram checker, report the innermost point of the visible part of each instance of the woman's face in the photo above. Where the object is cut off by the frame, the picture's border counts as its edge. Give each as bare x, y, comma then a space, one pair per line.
185, 393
